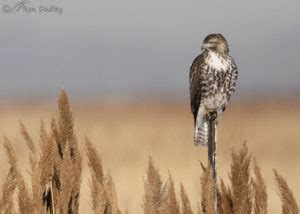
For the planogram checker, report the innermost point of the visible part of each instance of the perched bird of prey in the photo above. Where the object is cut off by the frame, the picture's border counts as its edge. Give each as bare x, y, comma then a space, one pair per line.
213, 76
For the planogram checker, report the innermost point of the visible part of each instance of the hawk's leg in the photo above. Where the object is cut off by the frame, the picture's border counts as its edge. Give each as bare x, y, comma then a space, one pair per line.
214, 116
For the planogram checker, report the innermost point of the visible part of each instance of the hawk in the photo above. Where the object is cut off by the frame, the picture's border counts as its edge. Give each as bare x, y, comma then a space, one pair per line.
213, 77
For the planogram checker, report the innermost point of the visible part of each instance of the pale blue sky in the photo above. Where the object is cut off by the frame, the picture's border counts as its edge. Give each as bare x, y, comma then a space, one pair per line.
136, 47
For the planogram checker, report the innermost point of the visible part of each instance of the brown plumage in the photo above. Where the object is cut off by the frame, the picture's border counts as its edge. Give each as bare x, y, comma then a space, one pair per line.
213, 76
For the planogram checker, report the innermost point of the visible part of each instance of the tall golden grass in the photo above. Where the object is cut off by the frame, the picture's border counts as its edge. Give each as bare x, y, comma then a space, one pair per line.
56, 174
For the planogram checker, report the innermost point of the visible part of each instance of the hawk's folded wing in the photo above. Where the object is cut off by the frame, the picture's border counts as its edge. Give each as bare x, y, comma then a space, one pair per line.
195, 84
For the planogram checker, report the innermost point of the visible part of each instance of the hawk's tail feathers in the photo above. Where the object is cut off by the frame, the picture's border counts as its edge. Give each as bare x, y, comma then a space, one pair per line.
201, 130
201, 134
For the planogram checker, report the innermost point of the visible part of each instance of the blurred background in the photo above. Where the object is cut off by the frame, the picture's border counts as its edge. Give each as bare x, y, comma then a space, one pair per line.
125, 66
136, 48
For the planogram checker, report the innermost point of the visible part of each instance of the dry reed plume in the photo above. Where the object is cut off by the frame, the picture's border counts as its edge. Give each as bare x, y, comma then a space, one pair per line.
260, 191
186, 205
56, 169
240, 181
155, 191
289, 204
103, 194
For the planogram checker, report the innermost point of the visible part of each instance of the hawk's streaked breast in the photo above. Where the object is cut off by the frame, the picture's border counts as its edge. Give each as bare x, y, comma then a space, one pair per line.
212, 80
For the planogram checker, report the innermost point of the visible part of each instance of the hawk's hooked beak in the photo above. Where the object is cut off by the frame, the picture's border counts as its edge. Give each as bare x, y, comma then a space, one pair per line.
205, 46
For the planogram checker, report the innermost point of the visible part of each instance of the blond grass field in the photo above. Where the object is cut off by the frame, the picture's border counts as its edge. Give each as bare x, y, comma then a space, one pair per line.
126, 134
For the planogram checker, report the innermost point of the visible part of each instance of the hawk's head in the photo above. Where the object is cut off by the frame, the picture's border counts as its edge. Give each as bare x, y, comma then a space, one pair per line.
215, 42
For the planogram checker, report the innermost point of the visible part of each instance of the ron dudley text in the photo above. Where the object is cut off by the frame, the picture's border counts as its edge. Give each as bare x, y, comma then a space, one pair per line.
43, 9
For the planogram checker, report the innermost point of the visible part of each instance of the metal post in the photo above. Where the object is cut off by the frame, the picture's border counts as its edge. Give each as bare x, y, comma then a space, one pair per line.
212, 157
